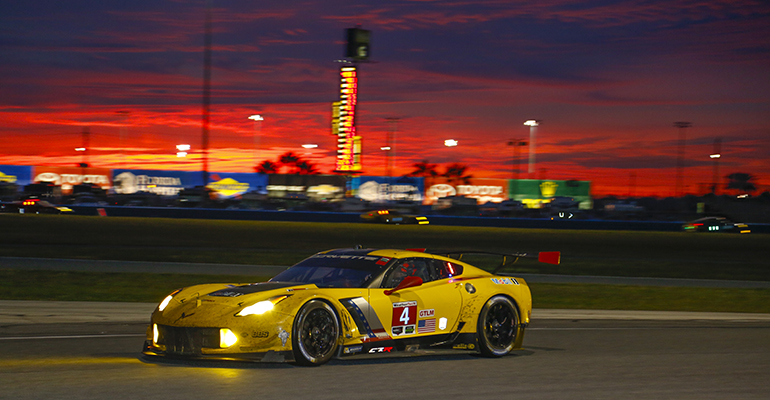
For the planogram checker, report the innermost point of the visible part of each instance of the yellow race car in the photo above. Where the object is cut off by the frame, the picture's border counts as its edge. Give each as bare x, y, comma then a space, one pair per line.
349, 303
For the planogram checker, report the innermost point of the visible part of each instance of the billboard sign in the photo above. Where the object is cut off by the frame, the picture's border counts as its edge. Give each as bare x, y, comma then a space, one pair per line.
481, 189
164, 183
231, 184
344, 115
66, 177
19, 175
536, 192
383, 188
311, 187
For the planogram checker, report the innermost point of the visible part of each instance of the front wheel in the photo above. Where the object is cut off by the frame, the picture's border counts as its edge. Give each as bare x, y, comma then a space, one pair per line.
498, 327
316, 330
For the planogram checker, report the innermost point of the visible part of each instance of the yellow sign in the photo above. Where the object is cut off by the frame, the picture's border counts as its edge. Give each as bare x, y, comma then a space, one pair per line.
548, 188
7, 178
344, 123
228, 187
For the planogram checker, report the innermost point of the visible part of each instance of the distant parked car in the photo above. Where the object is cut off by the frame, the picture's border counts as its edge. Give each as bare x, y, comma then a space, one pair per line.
33, 206
393, 217
715, 224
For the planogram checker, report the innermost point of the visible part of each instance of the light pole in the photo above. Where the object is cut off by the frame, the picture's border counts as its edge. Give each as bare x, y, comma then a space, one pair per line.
716, 155
123, 127
516, 143
390, 145
680, 157
532, 124
257, 134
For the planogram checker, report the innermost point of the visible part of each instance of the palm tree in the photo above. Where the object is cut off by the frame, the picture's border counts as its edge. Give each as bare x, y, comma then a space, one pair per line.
305, 167
290, 160
424, 169
267, 167
456, 173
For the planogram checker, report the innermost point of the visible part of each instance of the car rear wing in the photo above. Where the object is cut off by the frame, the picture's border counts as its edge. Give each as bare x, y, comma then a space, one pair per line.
508, 259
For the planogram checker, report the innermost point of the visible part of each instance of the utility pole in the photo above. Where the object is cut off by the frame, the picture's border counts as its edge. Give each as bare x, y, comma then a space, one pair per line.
679, 191
86, 141
390, 144
123, 127
206, 93
716, 155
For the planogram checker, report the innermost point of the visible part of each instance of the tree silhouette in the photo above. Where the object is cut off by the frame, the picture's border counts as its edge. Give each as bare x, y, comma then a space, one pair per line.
424, 169
290, 160
456, 173
305, 167
267, 167
740, 182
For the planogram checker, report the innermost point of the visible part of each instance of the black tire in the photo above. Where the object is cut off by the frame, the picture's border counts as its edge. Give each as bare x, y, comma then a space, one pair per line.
315, 333
498, 327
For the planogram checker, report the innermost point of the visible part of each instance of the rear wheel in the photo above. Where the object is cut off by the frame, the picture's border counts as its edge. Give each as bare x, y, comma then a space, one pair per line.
316, 330
498, 327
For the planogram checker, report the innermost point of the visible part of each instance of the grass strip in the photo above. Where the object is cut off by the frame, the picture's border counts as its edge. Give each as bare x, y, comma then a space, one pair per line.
651, 298
100, 286
608, 253
135, 287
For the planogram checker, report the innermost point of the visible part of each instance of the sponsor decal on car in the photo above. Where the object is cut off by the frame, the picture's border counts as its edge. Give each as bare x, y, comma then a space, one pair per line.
505, 281
426, 326
380, 350
405, 315
353, 349
427, 313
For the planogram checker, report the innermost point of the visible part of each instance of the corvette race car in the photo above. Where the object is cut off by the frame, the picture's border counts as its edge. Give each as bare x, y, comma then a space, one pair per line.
348, 303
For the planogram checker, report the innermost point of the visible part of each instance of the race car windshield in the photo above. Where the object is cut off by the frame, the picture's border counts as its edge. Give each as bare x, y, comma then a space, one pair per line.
335, 271
327, 277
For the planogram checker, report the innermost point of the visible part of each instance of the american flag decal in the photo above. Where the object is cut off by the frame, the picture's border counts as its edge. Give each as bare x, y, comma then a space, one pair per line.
426, 325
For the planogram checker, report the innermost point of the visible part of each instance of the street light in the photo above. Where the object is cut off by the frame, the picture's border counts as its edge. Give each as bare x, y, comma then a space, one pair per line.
680, 157
257, 133
516, 143
716, 155
182, 149
532, 124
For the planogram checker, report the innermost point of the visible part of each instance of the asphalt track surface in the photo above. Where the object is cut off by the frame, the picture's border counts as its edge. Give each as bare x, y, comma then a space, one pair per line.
88, 350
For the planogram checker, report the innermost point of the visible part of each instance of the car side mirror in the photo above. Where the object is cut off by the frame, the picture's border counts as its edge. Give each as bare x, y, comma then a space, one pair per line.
409, 281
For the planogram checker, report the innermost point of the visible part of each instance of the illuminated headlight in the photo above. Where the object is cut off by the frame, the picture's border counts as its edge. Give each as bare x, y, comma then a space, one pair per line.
257, 309
155, 333
226, 338
164, 303
260, 307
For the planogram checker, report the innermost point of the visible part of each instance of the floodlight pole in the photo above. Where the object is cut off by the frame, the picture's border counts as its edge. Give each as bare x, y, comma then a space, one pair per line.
680, 157
206, 93
533, 124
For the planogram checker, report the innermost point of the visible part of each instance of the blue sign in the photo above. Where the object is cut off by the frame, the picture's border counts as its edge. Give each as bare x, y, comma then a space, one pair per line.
20, 175
233, 184
383, 188
164, 183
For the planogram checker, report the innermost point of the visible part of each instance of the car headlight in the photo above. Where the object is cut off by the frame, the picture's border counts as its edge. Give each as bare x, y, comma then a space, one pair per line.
261, 307
164, 303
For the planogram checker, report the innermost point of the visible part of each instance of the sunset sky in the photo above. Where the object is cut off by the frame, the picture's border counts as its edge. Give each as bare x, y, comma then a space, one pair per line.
608, 79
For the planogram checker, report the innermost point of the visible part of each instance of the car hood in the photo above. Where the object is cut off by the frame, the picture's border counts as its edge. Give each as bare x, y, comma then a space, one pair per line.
243, 290
206, 304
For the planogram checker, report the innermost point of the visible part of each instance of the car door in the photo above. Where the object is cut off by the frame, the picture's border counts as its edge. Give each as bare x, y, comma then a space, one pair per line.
432, 308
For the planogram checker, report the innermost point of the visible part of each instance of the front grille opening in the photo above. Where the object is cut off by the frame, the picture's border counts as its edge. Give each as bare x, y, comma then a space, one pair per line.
187, 341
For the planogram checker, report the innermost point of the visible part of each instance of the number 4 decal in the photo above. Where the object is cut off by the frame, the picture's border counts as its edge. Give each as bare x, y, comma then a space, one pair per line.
404, 313
405, 316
